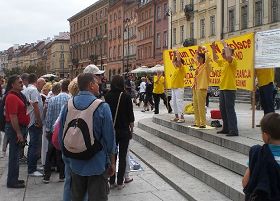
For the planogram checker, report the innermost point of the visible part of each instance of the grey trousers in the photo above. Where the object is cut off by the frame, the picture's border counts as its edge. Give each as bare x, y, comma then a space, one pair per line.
227, 104
95, 186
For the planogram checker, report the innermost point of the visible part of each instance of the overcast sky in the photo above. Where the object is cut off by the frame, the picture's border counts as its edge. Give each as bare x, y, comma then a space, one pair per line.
26, 21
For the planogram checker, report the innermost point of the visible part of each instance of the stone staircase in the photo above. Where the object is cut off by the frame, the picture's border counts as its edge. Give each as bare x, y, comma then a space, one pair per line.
201, 165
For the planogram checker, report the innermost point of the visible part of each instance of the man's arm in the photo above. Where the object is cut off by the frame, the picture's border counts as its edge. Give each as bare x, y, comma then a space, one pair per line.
38, 120
246, 178
108, 136
213, 47
35, 103
15, 125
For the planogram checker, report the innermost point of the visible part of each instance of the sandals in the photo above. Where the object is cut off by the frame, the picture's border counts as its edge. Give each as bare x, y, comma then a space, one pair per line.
128, 180
180, 121
175, 119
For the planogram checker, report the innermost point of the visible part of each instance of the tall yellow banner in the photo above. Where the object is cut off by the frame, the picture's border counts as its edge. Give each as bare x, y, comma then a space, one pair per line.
243, 51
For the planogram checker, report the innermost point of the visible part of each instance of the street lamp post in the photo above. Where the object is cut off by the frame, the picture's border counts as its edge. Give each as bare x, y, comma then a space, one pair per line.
169, 14
100, 37
127, 20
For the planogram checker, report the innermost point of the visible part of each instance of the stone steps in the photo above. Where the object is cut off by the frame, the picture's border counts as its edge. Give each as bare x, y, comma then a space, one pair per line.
219, 178
215, 163
239, 144
191, 188
229, 159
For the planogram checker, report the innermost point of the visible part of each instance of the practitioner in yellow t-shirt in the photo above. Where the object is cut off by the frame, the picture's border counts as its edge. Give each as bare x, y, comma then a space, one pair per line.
200, 86
265, 78
177, 87
227, 89
158, 92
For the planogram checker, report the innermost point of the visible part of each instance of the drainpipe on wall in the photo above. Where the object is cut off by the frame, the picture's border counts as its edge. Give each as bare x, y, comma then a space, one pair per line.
222, 22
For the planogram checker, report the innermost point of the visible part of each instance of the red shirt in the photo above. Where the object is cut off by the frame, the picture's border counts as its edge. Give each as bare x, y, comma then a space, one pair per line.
15, 105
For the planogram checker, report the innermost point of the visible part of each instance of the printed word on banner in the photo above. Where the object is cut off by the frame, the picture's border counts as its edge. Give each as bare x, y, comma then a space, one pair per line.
243, 51
267, 49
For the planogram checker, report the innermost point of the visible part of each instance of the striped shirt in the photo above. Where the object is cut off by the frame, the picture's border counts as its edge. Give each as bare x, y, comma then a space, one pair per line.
54, 106
275, 150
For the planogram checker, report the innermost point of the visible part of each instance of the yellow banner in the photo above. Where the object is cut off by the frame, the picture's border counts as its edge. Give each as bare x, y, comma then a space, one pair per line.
244, 53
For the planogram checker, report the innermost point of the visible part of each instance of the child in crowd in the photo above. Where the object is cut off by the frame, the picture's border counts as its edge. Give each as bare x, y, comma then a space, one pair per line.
262, 178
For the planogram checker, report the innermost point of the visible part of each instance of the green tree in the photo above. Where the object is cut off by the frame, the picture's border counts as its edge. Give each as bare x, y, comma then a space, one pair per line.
37, 69
93, 58
8, 72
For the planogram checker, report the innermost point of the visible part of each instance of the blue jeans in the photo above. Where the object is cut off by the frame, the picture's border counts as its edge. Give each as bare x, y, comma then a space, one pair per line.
227, 104
33, 153
14, 147
266, 98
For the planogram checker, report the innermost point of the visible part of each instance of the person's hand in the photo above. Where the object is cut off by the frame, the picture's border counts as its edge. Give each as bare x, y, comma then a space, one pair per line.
224, 43
38, 124
213, 45
20, 138
111, 170
49, 135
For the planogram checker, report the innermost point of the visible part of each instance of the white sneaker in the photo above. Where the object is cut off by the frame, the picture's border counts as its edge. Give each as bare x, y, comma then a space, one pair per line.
36, 174
40, 168
3, 154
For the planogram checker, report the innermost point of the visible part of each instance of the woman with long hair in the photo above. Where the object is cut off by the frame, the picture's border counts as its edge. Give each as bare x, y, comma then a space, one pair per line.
122, 113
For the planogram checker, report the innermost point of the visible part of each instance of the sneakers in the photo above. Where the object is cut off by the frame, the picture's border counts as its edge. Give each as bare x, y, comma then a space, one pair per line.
36, 174
3, 154
61, 178
46, 180
120, 187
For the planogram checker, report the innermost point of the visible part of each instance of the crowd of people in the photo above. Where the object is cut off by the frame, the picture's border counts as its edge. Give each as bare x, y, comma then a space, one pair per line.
81, 128
40, 114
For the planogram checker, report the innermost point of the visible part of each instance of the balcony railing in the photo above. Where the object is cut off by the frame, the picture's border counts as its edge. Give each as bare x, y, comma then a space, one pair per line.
189, 10
189, 42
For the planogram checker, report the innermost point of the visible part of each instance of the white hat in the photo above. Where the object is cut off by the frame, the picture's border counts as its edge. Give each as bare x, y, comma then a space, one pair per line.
93, 69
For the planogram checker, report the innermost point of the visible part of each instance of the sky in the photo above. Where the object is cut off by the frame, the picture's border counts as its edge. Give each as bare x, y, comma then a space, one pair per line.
26, 21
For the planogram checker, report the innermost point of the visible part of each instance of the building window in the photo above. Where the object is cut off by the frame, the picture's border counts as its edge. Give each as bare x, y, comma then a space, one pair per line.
174, 6
202, 28
174, 36
244, 17
182, 4
212, 25
165, 39
158, 13
275, 4
191, 30
182, 34
231, 20
165, 10
258, 12
158, 40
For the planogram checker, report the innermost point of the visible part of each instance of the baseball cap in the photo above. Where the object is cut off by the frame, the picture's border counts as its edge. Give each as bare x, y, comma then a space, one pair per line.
93, 69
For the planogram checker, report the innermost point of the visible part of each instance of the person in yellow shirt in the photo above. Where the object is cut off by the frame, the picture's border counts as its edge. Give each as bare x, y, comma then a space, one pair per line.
265, 78
177, 87
158, 92
227, 89
200, 86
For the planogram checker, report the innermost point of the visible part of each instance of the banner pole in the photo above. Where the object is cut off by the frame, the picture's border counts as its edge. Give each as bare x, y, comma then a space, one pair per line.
253, 94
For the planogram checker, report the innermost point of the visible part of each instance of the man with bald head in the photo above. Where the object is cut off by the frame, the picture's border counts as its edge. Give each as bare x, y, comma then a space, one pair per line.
35, 111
